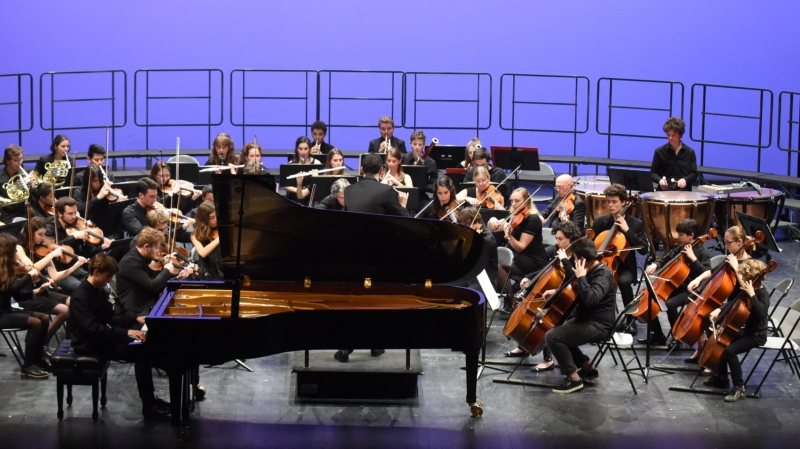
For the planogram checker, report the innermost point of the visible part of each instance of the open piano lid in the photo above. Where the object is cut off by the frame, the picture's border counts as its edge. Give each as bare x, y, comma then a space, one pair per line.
284, 241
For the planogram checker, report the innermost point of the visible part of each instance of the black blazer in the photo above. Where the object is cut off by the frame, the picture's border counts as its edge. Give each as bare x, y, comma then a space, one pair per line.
369, 195
375, 144
40, 164
635, 235
578, 215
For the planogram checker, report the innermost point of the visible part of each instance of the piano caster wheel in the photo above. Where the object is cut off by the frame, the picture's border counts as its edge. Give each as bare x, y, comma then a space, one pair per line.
476, 409
183, 434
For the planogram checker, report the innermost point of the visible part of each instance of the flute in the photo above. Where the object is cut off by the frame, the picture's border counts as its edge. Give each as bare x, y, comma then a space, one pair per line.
219, 167
305, 173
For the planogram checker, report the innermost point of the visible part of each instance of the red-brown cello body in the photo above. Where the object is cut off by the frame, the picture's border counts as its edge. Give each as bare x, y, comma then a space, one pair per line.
523, 317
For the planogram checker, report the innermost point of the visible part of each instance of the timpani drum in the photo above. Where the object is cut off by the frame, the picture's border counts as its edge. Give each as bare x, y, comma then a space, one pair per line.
590, 190
663, 211
762, 205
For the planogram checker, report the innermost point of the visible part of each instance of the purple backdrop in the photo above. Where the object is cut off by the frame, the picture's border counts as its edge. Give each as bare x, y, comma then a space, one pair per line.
686, 41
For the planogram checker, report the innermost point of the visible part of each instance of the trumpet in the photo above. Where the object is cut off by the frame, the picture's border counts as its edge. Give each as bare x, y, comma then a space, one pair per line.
387, 144
318, 146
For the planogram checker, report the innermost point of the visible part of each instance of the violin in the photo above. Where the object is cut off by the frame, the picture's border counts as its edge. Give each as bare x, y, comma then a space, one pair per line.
567, 205
495, 199
731, 323
214, 233
671, 276
449, 210
94, 235
185, 188
41, 250
712, 293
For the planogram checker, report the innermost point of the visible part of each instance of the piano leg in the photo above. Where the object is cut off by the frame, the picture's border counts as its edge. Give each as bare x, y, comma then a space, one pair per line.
476, 408
179, 391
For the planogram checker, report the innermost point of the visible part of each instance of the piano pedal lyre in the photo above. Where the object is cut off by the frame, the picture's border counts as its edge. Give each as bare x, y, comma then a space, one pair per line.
428, 284
307, 282
368, 283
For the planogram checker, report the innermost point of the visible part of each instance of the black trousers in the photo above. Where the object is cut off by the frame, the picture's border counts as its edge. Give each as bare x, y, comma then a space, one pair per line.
679, 298
564, 341
36, 324
743, 343
626, 278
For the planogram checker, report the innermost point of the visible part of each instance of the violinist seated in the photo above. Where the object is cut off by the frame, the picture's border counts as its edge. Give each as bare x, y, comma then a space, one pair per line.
16, 281
393, 173
32, 240
590, 322
12, 158
565, 232
752, 335
318, 132
674, 164
734, 241
66, 229
699, 262
445, 201
387, 139
96, 155
481, 158
523, 234
99, 195
159, 220
97, 331
170, 191
415, 158
135, 215
566, 205
469, 216
335, 201
42, 200
371, 196
633, 231
484, 194
222, 154
205, 239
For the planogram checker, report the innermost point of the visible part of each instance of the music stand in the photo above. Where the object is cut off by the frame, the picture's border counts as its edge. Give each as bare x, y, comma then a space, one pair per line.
413, 197
418, 174
190, 171
448, 156
509, 158
113, 225
14, 228
751, 224
324, 183
637, 180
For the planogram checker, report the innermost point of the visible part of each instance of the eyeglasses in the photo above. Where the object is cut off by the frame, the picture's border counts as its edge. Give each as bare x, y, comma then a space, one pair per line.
730, 243
562, 187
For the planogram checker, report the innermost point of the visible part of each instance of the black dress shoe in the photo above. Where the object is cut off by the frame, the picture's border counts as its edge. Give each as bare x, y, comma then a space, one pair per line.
34, 372
632, 330
45, 365
516, 354
654, 341
342, 356
154, 411
198, 392
162, 403
376, 352
692, 361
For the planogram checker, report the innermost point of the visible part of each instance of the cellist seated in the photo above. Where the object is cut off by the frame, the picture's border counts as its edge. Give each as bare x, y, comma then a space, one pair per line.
590, 322
753, 334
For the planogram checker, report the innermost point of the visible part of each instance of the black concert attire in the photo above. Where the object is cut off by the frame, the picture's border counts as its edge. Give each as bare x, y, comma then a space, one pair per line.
681, 166
81, 247
534, 256
79, 181
324, 147
370, 196
7, 214
496, 175
97, 331
49, 158
430, 169
680, 296
753, 335
490, 246
375, 144
578, 215
590, 322
134, 218
43, 302
21, 290
329, 202
635, 236
212, 263
37, 211
138, 287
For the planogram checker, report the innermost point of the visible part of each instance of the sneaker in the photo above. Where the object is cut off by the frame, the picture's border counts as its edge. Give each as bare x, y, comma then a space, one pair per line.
716, 382
47, 352
34, 372
736, 394
590, 374
570, 385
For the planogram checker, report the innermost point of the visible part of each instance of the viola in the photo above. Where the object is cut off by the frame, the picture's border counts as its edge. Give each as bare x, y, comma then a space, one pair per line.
449, 210
519, 217
495, 199
731, 323
671, 276
567, 205
713, 292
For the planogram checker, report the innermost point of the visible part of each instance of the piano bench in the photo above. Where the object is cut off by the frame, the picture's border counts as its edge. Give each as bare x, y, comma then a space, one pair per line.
73, 369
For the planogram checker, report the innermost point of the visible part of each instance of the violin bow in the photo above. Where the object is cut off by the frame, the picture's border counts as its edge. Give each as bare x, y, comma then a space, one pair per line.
425, 208
574, 184
519, 208
178, 199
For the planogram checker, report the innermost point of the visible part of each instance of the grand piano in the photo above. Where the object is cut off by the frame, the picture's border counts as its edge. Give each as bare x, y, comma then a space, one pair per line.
309, 279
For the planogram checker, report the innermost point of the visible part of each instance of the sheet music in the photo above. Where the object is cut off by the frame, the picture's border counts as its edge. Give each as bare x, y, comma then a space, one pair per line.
488, 290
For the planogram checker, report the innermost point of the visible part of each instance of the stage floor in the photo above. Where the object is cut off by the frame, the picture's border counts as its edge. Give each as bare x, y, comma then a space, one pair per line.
258, 409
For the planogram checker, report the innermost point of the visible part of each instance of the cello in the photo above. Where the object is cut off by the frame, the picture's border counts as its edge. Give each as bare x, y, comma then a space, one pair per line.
713, 292
730, 324
615, 241
667, 279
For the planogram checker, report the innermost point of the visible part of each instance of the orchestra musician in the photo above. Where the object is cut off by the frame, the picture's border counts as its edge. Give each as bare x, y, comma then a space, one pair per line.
734, 239
16, 283
98, 193
753, 334
564, 186
66, 219
415, 156
134, 215
524, 240
96, 155
335, 159
470, 216
250, 152
674, 164
633, 229
58, 152
206, 243
42, 200
480, 195
394, 174
698, 261
251, 168
590, 322
206, 194
318, 132
445, 199
302, 155
12, 159
481, 158
222, 153
371, 196
97, 331
169, 190
379, 145
565, 232
335, 201
471, 146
